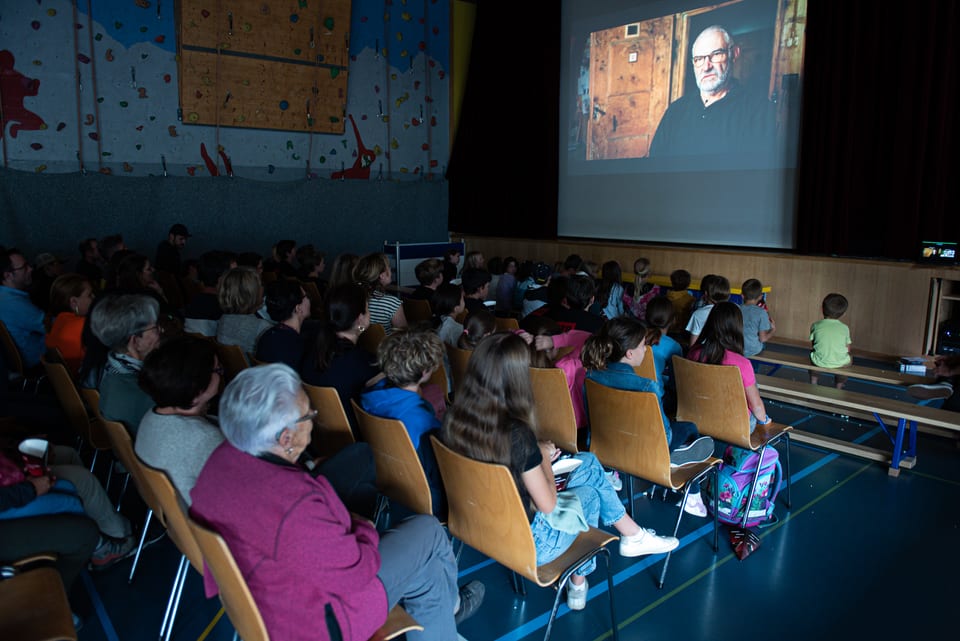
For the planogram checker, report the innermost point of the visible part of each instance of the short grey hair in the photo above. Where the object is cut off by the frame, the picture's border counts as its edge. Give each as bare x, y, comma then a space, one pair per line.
117, 317
257, 405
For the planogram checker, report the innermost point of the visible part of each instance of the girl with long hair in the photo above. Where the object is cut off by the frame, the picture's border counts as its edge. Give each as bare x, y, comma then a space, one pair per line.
721, 343
494, 420
610, 357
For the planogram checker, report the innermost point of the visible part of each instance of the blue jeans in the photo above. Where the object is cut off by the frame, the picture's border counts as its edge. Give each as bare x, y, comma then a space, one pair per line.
600, 503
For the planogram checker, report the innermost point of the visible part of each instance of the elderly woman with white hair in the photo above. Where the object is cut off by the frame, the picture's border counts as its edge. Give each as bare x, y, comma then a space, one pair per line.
308, 560
127, 325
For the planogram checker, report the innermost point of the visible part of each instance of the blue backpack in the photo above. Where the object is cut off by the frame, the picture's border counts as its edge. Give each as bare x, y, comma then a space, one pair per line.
734, 478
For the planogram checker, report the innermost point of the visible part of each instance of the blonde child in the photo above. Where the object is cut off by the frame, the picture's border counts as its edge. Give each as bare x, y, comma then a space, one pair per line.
831, 339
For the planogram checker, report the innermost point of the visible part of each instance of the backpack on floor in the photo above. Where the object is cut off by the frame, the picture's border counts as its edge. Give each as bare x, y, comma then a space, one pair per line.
734, 478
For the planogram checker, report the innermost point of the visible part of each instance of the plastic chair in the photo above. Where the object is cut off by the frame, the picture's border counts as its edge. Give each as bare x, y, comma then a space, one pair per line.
400, 475
712, 397
240, 605
331, 427
627, 434
486, 513
417, 310
556, 420
33, 603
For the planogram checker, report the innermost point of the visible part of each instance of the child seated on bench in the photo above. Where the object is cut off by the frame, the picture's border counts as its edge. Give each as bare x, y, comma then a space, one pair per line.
758, 327
831, 339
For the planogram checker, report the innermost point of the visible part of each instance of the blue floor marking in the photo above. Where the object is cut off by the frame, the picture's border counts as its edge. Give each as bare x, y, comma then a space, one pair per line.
541, 621
99, 608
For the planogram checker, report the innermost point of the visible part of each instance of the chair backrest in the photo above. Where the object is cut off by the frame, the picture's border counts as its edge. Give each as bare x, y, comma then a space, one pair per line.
234, 591
232, 359
417, 310
10, 351
506, 324
556, 420
34, 607
627, 434
173, 512
123, 449
85, 425
400, 474
371, 338
648, 368
458, 364
240, 605
486, 512
712, 397
170, 285
331, 429
316, 300
439, 378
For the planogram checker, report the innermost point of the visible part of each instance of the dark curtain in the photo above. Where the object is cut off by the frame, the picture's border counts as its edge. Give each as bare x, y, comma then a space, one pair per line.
876, 146
503, 164
879, 132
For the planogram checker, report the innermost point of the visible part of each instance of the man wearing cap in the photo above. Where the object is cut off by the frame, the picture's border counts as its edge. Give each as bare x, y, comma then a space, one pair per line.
23, 319
535, 296
168, 251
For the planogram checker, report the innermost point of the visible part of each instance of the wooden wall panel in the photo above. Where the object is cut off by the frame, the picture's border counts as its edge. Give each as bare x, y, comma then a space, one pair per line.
889, 300
290, 30
266, 94
277, 65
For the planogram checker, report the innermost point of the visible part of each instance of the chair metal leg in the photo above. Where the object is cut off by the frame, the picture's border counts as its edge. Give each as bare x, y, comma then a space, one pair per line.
173, 603
143, 537
519, 586
716, 509
753, 488
676, 528
786, 440
630, 494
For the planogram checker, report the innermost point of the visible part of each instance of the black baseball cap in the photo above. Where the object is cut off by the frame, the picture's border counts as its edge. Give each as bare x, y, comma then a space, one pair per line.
179, 230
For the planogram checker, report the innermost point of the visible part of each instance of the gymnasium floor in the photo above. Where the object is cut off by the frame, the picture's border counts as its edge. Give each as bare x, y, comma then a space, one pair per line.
859, 555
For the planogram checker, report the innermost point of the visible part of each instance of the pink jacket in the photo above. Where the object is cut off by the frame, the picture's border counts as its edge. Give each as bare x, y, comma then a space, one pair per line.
296, 544
574, 370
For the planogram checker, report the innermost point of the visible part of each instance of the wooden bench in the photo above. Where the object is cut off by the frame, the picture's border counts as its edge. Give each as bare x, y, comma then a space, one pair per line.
906, 415
860, 372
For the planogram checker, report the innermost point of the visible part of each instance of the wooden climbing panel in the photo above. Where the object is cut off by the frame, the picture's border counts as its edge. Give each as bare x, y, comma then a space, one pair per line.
266, 65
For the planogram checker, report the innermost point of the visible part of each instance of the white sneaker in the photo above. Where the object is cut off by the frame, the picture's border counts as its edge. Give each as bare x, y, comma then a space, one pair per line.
614, 477
577, 595
646, 542
695, 505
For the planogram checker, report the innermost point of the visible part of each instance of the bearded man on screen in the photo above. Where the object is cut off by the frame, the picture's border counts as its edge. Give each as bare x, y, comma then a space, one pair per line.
723, 117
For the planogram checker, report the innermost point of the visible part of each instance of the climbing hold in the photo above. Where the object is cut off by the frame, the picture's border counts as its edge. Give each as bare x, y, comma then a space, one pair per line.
328, 23
294, 18
124, 104
36, 146
127, 167
93, 135
36, 25
284, 105
82, 58
167, 78
61, 125
172, 131
109, 55
141, 92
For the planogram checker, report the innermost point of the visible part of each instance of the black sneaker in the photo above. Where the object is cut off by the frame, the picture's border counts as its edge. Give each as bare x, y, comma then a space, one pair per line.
471, 596
700, 450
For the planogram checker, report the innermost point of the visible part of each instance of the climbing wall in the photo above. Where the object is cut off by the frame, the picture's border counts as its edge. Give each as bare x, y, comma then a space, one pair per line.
243, 66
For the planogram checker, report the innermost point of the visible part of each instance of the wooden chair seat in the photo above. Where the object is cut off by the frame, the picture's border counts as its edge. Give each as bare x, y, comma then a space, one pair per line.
371, 338
232, 359
627, 434
486, 513
556, 420
34, 607
713, 398
240, 605
458, 364
331, 428
400, 475
82, 417
417, 310
506, 324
